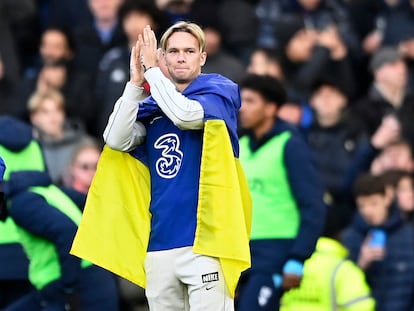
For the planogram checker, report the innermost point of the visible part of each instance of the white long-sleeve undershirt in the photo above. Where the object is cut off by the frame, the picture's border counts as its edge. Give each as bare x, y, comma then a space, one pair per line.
123, 132
185, 113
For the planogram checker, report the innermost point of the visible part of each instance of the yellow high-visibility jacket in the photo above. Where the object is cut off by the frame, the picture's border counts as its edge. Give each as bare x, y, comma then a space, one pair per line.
331, 282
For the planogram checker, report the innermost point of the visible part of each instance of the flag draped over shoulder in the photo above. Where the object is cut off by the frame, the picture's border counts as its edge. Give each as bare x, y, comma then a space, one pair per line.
224, 205
115, 227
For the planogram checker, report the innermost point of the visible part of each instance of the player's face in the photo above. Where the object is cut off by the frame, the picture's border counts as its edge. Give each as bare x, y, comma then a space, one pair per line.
183, 58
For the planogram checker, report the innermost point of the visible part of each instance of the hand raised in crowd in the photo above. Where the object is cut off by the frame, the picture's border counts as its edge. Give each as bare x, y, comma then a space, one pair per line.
372, 42
331, 39
369, 253
406, 48
387, 132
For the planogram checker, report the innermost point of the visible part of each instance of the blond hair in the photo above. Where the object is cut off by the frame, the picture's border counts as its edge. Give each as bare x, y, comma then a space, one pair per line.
87, 143
188, 27
38, 97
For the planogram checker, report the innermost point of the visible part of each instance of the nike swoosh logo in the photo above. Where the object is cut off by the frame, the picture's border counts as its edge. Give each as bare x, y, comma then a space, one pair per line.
208, 288
156, 118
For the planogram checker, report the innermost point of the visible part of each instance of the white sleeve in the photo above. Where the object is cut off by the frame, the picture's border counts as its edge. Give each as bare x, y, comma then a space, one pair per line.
123, 132
183, 112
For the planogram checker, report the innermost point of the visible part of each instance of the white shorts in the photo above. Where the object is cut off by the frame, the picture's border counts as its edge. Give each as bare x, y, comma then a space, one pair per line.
179, 280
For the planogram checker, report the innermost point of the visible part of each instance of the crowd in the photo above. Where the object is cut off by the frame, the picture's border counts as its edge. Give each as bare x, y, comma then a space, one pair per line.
328, 85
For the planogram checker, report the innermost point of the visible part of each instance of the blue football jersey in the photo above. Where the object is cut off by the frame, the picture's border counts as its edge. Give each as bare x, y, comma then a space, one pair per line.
174, 156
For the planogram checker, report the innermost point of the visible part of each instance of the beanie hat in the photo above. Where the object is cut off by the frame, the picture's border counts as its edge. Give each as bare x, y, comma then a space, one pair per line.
384, 56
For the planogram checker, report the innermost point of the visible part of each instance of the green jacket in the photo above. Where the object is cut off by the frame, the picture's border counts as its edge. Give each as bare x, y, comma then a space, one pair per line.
44, 261
29, 158
275, 212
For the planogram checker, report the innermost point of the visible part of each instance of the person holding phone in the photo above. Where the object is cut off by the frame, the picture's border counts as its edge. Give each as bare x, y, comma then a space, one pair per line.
381, 243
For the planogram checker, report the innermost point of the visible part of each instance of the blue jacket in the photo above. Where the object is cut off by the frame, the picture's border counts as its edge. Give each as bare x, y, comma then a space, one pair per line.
14, 135
392, 279
33, 213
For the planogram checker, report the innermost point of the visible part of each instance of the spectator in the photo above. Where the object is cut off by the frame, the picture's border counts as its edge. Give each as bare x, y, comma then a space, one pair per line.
113, 70
95, 38
57, 134
265, 61
176, 10
14, 272
11, 13
82, 167
288, 213
219, 59
387, 134
46, 222
308, 56
362, 14
7, 89
406, 49
333, 138
388, 93
239, 27
63, 13
391, 178
404, 192
392, 23
74, 86
56, 70
397, 155
317, 15
381, 243
56, 45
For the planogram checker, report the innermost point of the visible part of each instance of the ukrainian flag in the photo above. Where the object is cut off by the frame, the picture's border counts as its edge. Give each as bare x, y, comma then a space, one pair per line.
115, 226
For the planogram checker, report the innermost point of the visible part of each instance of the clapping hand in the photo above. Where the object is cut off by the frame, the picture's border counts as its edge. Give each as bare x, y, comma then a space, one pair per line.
143, 56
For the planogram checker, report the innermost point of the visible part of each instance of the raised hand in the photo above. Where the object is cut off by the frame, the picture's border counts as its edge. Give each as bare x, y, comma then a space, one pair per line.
148, 53
369, 253
135, 67
388, 132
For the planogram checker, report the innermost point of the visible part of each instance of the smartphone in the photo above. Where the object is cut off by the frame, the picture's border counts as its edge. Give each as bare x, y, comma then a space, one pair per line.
378, 238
